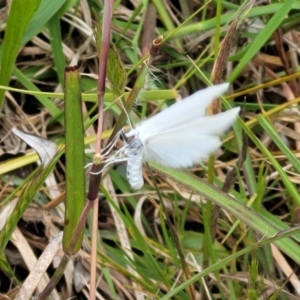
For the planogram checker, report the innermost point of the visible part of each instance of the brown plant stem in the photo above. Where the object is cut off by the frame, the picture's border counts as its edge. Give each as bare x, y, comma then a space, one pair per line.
95, 178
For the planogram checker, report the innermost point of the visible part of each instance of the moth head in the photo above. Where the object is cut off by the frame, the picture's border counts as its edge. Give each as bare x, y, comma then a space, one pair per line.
132, 134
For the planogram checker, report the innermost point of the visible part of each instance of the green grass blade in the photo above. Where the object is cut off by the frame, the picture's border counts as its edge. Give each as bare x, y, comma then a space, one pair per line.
57, 50
19, 16
166, 19
31, 186
5, 267
290, 187
74, 151
238, 209
153, 95
269, 129
46, 10
227, 17
262, 38
227, 261
47, 103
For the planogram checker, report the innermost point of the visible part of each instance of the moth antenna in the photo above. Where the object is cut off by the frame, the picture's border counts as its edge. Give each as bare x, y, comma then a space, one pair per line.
125, 111
109, 146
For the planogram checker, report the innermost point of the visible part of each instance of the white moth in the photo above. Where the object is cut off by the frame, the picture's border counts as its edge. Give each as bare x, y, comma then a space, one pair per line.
135, 163
179, 136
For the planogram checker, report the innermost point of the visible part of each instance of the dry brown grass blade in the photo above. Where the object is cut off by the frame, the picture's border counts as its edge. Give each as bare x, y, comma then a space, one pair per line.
40, 269
219, 69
